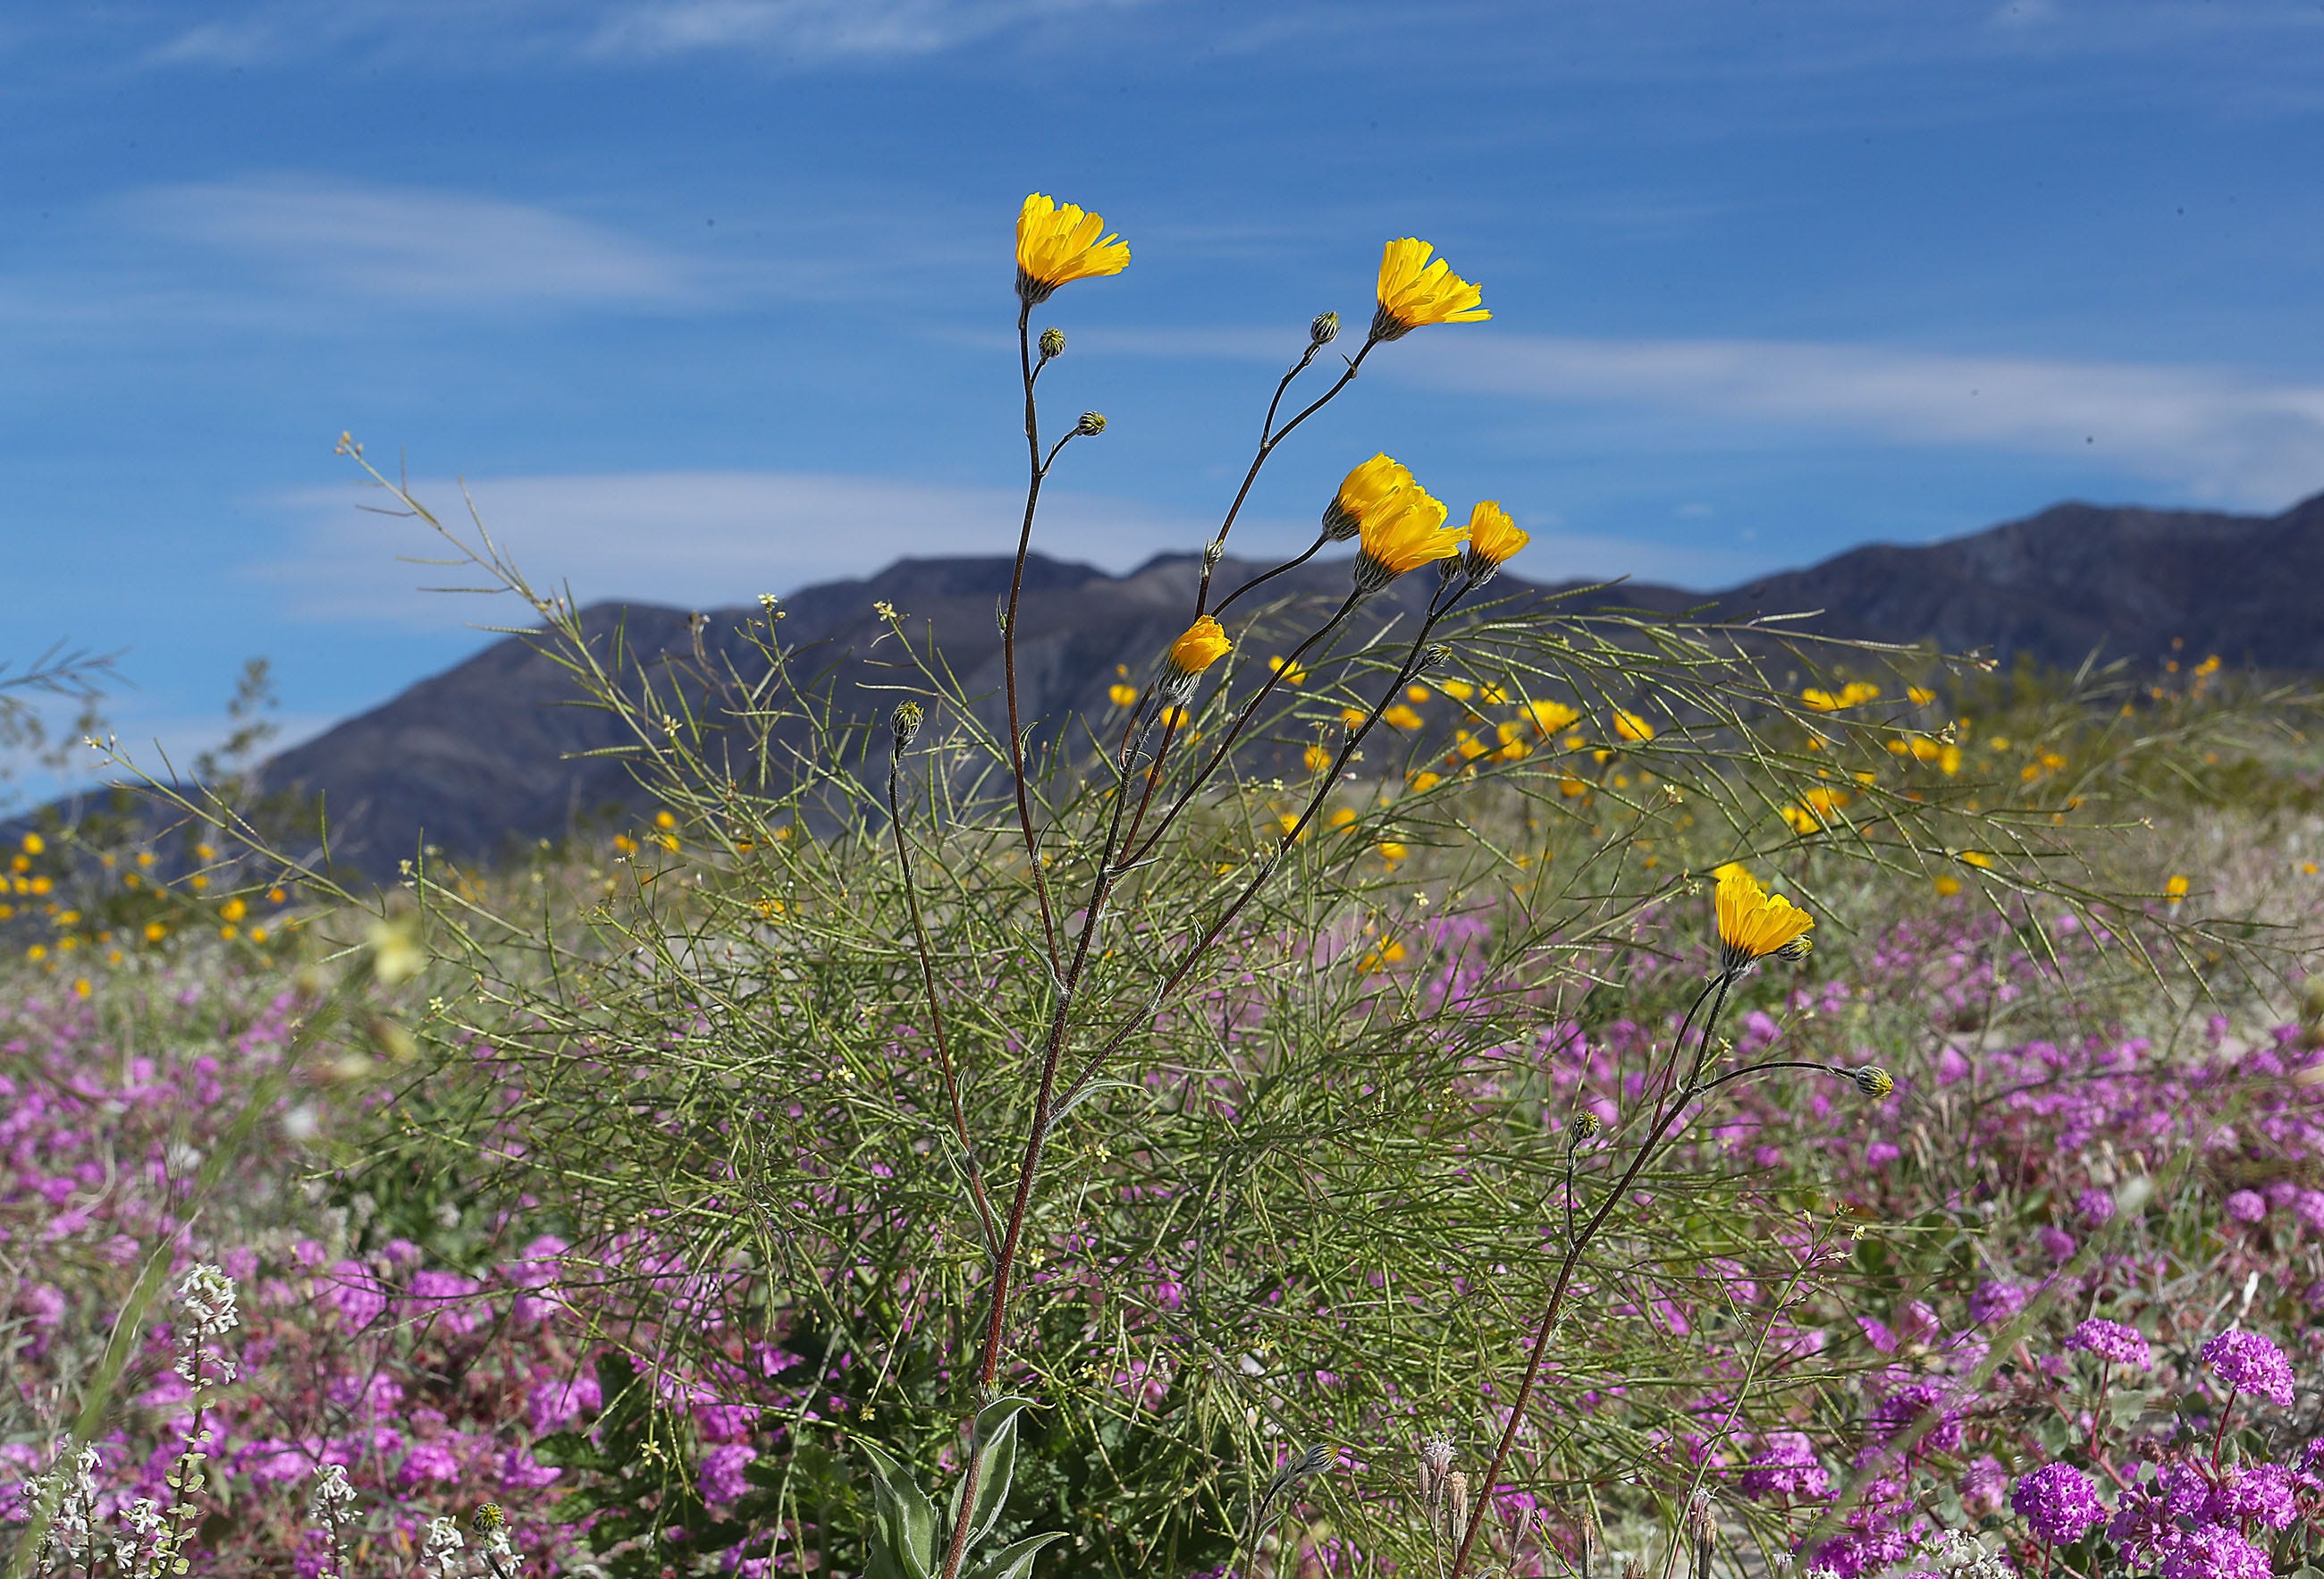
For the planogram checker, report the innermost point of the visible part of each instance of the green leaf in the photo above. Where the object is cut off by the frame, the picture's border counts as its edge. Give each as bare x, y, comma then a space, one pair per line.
996, 1465
907, 1519
1012, 1560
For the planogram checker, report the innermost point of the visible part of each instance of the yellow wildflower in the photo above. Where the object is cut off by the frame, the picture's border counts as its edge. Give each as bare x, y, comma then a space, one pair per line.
1631, 727
1391, 851
35, 844
1754, 924
1919, 696
1549, 717
1423, 782
1203, 644
1947, 885
1977, 858
1354, 717
1361, 494
1057, 245
1408, 534
1291, 673
1493, 541
1415, 292
2174, 890
1120, 694
1402, 717
1316, 757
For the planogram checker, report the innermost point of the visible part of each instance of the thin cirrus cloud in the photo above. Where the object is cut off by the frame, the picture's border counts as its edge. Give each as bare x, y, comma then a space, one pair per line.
418, 245
820, 29
694, 539
2224, 437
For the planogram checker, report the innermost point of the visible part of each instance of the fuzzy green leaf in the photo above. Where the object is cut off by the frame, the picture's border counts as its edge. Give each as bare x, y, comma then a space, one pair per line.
996, 1465
1011, 1562
906, 1535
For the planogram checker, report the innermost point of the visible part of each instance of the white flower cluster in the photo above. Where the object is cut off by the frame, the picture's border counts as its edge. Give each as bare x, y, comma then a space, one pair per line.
138, 1552
72, 1530
1961, 1555
206, 1296
328, 1505
442, 1552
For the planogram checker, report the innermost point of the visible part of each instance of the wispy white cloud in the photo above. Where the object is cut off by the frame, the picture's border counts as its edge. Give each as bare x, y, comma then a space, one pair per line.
2222, 436
416, 245
698, 539
820, 30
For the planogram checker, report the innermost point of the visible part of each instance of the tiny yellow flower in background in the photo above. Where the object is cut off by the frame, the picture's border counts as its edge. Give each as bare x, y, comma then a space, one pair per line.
1408, 534
1919, 696
1947, 885
1570, 786
1549, 717
1362, 493
1203, 644
1288, 822
1291, 673
1977, 858
234, 909
81, 987
663, 820
1316, 757
1754, 923
35, 844
1631, 727
1423, 782
1415, 292
2174, 890
1354, 717
1391, 851
1342, 817
144, 857
1402, 717
37, 953
1057, 245
204, 852
1458, 689
1171, 717
1121, 695
1493, 541
155, 931
1418, 693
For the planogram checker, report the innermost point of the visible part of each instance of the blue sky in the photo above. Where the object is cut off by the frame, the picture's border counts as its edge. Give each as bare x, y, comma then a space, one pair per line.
711, 298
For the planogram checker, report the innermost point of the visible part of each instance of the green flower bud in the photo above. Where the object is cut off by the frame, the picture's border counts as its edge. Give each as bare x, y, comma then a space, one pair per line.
906, 723
1092, 424
1053, 343
1325, 329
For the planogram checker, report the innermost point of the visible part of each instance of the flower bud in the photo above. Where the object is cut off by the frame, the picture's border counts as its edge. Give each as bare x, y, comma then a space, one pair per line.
1053, 343
1092, 424
1437, 656
487, 1518
906, 723
1873, 1081
1213, 551
1325, 329
1585, 1127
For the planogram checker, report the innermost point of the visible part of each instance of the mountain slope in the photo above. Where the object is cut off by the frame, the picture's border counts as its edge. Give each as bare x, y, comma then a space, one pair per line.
485, 752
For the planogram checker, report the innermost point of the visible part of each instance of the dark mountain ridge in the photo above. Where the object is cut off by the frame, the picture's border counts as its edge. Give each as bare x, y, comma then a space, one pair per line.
482, 754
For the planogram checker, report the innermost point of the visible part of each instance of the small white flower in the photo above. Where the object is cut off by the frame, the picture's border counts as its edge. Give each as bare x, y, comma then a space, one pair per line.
442, 1552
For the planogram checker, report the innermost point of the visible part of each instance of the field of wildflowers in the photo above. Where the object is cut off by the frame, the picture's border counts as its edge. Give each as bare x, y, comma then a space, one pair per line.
1197, 1146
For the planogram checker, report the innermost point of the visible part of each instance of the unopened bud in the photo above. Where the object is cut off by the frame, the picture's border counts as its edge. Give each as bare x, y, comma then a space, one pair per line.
1873, 1081
1457, 1509
1092, 424
1053, 343
1437, 656
1213, 551
1325, 329
1585, 1127
906, 723
1446, 569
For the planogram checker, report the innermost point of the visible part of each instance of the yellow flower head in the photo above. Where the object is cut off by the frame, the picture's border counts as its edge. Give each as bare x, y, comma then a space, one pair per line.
1629, 727
1493, 541
1754, 924
1363, 491
1203, 644
1415, 292
1409, 533
1549, 717
1057, 246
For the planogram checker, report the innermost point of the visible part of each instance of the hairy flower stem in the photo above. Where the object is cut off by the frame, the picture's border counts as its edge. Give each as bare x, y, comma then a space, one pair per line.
1664, 1121
1291, 564
1008, 638
1269, 437
937, 1017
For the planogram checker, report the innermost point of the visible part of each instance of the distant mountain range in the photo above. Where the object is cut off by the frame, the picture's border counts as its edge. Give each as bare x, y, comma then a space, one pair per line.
484, 754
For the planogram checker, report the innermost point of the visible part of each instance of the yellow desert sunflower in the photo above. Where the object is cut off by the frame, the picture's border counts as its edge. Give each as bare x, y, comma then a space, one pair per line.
1408, 534
1754, 923
1058, 245
1203, 644
1493, 541
1368, 488
1415, 292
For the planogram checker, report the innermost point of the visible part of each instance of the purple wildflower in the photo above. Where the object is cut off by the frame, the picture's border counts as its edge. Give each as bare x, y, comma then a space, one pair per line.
1786, 1466
2246, 1206
2216, 1553
1996, 1301
722, 1472
2095, 1206
2264, 1492
2112, 1341
2059, 1503
2249, 1363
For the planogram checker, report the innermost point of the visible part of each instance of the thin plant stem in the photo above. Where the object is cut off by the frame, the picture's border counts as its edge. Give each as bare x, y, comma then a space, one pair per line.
1008, 638
1264, 575
936, 1017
